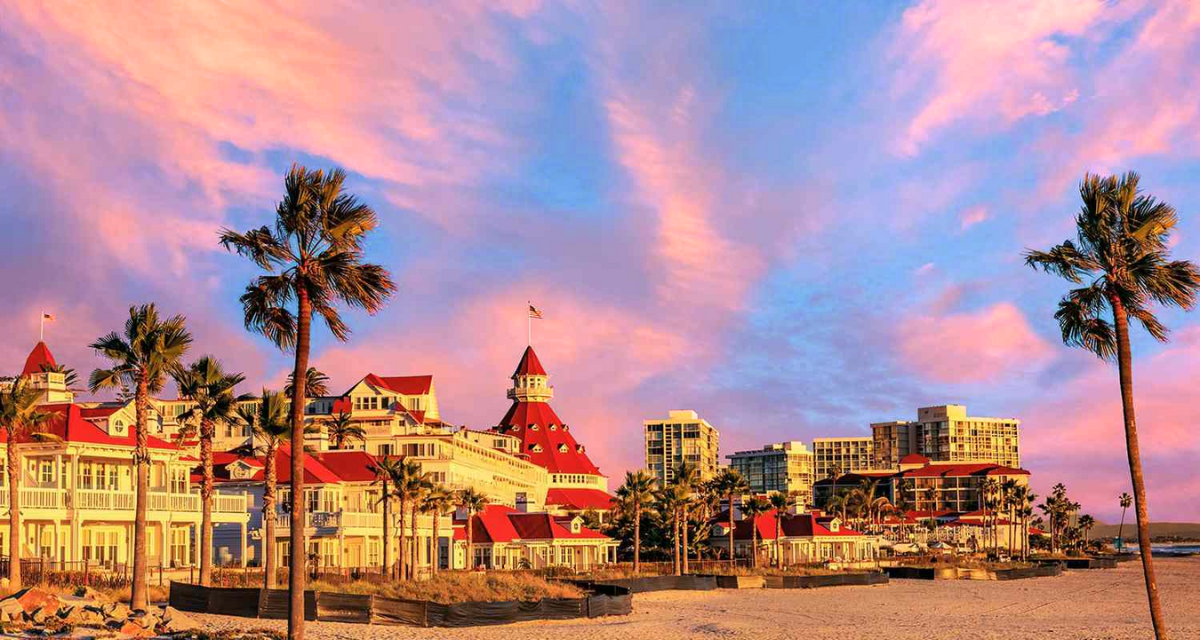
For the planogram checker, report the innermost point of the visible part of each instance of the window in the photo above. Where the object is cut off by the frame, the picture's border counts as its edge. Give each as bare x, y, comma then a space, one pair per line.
47, 472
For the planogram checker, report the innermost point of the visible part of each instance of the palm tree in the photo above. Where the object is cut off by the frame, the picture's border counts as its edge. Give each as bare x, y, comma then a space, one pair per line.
752, 509
384, 469
1123, 249
730, 484
207, 385
406, 484
687, 476
472, 502
780, 503
636, 494
438, 502
670, 500
418, 490
316, 384
342, 430
141, 358
313, 258
1086, 522
269, 423
1126, 500
19, 417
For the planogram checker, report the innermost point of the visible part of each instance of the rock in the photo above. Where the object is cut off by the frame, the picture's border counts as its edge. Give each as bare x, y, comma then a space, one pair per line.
11, 610
133, 629
116, 610
148, 620
175, 621
34, 598
88, 593
38, 616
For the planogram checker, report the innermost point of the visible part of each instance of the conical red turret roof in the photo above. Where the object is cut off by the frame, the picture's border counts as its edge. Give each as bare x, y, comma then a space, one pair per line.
37, 358
529, 365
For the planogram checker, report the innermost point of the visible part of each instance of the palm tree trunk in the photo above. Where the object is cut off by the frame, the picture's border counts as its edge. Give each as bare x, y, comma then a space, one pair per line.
416, 547
206, 492
14, 514
1121, 529
1125, 368
387, 526
433, 546
732, 555
299, 378
139, 600
268, 541
470, 540
778, 543
675, 519
684, 526
637, 538
402, 557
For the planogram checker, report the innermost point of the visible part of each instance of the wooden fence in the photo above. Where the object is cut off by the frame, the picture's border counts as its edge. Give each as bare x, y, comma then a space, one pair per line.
371, 609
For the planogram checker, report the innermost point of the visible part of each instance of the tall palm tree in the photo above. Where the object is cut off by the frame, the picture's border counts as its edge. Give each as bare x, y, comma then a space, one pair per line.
752, 509
418, 490
687, 476
141, 358
343, 430
636, 494
437, 502
206, 384
385, 469
269, 424
472, 502
406, 483
731, 484
314, 260
1126, 500
1086, 522
1123, 251
670, 501
780, 503
316, 384
19, 417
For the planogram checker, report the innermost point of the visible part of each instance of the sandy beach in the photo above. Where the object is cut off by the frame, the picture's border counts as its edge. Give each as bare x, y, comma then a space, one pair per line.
1079, 604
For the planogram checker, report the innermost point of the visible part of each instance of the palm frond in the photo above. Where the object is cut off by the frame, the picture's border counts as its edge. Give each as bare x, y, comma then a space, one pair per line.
1064, 260
263, 304
1082, 328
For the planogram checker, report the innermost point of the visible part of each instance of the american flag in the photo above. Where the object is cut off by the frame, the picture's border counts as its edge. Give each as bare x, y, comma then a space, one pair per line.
534, 312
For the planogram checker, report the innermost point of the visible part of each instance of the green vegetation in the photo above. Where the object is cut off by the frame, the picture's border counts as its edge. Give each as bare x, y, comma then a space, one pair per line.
450, 587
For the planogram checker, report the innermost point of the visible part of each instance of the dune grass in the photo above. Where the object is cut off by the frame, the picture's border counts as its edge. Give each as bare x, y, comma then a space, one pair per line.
450, 587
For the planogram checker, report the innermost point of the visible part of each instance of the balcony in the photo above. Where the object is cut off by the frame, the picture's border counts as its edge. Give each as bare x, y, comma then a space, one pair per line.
107, 500
333, 520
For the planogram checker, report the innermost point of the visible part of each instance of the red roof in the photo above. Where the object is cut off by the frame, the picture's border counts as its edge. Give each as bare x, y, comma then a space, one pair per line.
315, 471
914, 458
579, 499
404, 385
350, 466
70, 424
552, 448
39, 357
802, 525
498, 523
529, 365
963, 469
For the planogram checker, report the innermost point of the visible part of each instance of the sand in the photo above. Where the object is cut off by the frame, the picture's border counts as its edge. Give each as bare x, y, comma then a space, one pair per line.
1079, 604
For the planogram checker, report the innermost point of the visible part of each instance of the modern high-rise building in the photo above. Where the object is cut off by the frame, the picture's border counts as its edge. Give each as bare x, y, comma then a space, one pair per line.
844, 454
683, 437
786, 467
945, 433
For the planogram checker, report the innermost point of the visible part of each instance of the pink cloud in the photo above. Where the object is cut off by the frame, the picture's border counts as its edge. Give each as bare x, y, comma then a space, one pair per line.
972, 217
970, 347
987, 61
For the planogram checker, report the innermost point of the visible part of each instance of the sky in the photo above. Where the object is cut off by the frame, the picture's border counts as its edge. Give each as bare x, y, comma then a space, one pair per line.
794, 218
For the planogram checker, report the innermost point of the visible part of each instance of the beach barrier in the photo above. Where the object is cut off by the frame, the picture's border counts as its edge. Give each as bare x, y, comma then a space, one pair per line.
964, 573
654, 583
1091, 563
829, 580
605, 600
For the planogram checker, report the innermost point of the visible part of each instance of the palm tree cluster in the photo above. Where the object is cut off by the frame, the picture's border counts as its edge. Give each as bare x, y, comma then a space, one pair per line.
863, 506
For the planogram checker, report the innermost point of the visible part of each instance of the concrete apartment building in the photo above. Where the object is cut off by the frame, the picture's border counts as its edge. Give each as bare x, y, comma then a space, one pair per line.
945, 433
844, 454
784, 466
683, 437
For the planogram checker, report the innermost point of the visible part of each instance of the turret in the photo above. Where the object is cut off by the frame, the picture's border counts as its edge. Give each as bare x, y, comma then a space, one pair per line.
530, 380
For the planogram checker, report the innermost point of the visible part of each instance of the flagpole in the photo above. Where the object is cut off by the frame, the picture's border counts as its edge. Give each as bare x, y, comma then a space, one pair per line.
528, 324
42, 327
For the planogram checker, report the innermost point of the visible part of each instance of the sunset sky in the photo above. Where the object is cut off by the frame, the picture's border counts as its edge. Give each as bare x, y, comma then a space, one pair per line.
795, 220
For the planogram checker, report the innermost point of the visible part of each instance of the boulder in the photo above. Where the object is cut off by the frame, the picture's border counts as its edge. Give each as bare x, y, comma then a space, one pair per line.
34, 598
11, 610
176, 621
148, 620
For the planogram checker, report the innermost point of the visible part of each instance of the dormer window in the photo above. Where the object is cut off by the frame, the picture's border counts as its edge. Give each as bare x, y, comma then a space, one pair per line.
576, 525
533, 427
563, 448
553, 427
566, 428
516, 428
579, 448
537, 448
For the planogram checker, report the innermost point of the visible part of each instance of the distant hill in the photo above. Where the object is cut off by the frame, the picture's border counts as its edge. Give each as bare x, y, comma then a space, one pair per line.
1175, 529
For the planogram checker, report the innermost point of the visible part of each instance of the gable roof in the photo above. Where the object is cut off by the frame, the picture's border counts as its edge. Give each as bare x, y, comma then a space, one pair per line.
529, 364
914, 458
498, 523
70, 423
800, 525
37, 358
404, 385
350, 466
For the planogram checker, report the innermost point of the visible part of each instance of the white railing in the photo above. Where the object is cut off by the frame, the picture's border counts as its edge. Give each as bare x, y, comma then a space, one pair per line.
34, 498
229, 504
355, 519
104, 500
